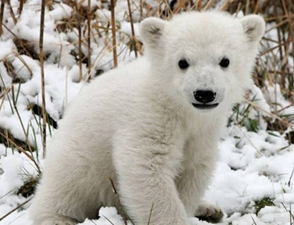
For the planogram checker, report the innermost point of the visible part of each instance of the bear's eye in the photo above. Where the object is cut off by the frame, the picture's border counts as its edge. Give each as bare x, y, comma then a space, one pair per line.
225, 62
183, 64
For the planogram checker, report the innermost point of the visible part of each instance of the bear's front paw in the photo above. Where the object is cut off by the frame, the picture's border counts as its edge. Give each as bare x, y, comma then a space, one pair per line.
58, 222
209, 212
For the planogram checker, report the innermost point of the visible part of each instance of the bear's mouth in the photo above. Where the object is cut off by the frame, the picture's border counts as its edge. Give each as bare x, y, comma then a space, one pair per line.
204, 106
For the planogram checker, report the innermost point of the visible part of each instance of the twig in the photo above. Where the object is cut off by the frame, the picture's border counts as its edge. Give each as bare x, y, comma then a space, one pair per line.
141, 10
180, 5
247, 7
238, 8
123, 214
253, 221
16, 208
132, 28
108, 220
11, 11
199, 5
3, 94
24, 62
43, 76
22, 151
275, 47
289, 182
20, 8
270, 114
112, 5
10, 31
78, 13
20, 120
256, 8
1, 16
209, 4
150, 214
287, 210
226, 5
89, 34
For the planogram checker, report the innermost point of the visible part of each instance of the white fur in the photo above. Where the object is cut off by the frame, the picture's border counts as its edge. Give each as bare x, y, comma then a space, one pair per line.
137, 125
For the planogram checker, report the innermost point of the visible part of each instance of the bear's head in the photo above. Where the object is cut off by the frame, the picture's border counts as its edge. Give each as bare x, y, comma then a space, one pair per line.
207, 57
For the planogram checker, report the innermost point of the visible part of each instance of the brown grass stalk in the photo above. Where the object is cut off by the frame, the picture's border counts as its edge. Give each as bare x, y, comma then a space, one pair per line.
247, 7
121, 210
270, 114
78, 17
20, 120
199, 5
209, 5
16, 208
20, 8
256, 8
226, 5
89, 34
43, 76
1, 16
278, 31
11, 11
3, 95
141, 10
24, 63
113, 29
132, 28
238, 8
273, 48
20, 149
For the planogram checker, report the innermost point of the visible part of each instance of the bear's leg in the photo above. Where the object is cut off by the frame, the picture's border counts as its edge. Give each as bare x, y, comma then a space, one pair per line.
192, 185
59, 220
145, 173
66, 195
64, 205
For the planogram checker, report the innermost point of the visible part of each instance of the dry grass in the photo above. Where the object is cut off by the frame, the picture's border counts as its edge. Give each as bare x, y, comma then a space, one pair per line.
44, 133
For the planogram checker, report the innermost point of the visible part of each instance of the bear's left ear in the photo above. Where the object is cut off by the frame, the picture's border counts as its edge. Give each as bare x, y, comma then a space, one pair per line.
151, 30
254, 27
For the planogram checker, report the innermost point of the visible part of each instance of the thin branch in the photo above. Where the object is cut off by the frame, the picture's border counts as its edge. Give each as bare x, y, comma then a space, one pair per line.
208, 5
112, 5
78, 13
16, 208
123, 214
89, 34
20, 8
22, 151
1, 16
20, 120
43, 76
226, 5
132, 28
270, 114
11, 11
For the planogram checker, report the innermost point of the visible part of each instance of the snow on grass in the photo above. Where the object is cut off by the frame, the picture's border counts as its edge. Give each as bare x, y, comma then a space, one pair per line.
253, 182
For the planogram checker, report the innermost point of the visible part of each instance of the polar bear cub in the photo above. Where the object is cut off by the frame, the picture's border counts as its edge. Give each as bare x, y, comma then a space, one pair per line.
151, 126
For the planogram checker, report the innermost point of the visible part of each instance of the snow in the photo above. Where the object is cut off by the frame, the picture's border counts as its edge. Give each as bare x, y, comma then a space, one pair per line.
252, 165
7, 48
60, 11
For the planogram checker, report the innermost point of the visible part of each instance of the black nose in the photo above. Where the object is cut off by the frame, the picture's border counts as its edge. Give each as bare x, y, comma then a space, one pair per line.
204, 96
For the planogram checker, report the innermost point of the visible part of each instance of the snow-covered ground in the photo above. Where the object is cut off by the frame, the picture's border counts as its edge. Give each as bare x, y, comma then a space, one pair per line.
253, 182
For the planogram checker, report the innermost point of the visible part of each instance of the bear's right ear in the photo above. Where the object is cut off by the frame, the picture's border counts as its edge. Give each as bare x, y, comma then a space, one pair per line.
151, 30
